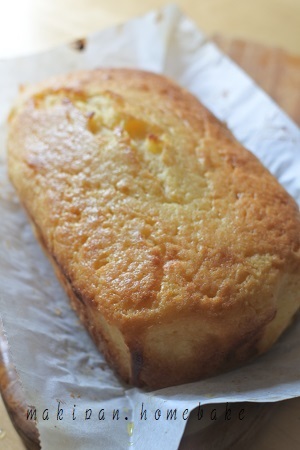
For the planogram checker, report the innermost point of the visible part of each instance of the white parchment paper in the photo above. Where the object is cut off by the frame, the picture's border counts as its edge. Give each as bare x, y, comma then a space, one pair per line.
62, 373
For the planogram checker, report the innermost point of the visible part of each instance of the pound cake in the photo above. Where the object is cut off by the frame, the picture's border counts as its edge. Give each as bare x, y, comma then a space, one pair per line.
179, 251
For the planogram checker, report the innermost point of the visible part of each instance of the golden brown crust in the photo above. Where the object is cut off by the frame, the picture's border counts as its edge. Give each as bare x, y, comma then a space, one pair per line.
184, 250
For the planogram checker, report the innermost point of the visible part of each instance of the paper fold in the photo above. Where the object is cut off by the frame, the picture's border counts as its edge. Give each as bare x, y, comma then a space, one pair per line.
59, 366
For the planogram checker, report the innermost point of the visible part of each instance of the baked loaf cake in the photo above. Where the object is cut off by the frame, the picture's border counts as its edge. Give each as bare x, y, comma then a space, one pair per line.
179, 251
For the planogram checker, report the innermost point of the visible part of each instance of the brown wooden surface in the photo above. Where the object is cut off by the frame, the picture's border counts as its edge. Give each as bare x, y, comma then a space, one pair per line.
278, 73
28, 26
275, 70
13, 397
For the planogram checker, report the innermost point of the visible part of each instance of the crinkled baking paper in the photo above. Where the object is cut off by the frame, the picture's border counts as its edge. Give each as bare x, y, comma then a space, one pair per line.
61, 371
